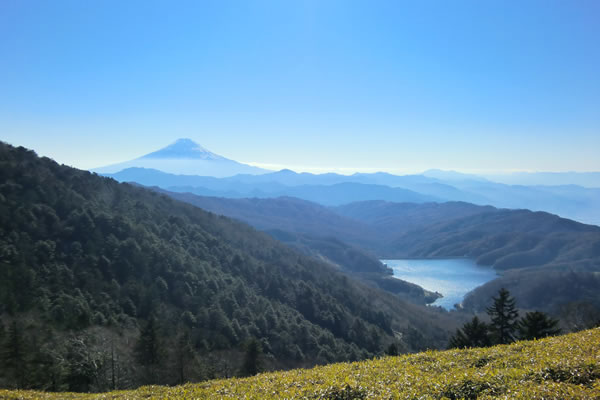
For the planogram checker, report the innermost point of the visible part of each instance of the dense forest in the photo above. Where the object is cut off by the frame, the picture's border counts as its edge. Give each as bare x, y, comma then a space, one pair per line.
314, 230
105, 285
550, 263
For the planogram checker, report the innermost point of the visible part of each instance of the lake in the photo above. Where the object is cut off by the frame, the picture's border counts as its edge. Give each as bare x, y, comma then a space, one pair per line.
453, 278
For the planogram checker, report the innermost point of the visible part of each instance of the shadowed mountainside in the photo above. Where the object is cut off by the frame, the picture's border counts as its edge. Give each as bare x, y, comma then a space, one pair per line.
545, 260
529, 249
314, 229
84, 258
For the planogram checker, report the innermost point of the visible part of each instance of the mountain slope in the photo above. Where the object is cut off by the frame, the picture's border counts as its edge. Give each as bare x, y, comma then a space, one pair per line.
287, 214
532, 250
546, 261
185, 157
402, 217
485, 233
81, 254
314, 230
569, 201
556, 368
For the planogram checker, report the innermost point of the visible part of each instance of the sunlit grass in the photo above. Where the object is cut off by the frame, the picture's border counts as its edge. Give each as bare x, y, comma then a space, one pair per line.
564, 367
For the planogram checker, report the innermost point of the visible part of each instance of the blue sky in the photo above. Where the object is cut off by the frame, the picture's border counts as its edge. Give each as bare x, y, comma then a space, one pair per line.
311, 85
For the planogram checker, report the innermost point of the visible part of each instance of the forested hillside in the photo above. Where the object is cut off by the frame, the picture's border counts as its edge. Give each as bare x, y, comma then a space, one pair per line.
105, 285
548, 262
316, 231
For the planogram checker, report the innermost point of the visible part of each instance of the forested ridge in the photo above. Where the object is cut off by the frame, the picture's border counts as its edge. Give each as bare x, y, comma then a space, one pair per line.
105, 285
314, 230
550, 263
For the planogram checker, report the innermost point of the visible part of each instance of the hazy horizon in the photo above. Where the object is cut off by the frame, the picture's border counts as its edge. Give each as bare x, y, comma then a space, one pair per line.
339, 86
341, 170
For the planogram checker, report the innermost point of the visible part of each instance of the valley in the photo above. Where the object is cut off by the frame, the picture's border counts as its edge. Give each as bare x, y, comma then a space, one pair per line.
88, 261
313, 200
522, 246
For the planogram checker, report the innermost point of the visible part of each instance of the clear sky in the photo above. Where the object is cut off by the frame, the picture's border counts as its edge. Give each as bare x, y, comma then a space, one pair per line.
311, 85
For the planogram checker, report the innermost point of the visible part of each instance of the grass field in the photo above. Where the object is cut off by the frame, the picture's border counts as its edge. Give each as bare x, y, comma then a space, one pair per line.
563, 367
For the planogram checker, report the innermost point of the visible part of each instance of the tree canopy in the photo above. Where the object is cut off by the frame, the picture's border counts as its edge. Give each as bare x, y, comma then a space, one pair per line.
86, 262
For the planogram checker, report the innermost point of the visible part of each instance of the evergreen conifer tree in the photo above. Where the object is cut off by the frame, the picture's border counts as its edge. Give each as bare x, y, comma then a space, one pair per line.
503, 314
393, 350
149, 352
252, 363
185, 355
14, 354
472, 334
536, 325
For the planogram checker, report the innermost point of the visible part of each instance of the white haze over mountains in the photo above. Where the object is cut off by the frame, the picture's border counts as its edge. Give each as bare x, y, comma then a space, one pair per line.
185, 166
585, 179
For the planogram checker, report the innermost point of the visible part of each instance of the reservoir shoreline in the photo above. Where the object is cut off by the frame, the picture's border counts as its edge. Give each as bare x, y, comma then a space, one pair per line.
453, 277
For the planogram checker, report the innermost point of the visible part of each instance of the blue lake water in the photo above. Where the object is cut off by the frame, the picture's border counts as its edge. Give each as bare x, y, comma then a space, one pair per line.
453, 278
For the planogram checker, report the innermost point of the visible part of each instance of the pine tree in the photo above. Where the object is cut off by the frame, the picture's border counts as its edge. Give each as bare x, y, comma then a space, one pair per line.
185, 355
149, 352
252, 363
536, 325
393, 350
503, 314
472, 334
14, 354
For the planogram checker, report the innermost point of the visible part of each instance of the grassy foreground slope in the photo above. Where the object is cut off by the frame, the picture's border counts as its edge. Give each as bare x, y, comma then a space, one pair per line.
563, 367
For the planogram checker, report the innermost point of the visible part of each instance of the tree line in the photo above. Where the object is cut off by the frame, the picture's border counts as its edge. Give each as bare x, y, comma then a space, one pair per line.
505, 326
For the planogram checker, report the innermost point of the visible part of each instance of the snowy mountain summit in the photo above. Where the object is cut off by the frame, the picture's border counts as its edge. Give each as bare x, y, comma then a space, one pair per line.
184, 149
185, 157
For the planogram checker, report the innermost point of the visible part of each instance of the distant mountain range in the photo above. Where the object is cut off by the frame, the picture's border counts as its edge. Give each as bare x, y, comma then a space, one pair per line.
185, 166
185, 157
570, 201
435, 214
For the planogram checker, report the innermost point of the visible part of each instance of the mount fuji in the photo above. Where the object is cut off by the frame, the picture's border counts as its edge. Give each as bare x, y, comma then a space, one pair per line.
185, 157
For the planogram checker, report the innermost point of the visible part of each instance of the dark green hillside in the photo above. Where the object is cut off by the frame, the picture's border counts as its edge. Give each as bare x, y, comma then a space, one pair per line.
287, 214
86, 264
568, 293
519, 241
314, 230
501, 238
356, 263
546, 261
403, 217
505, 239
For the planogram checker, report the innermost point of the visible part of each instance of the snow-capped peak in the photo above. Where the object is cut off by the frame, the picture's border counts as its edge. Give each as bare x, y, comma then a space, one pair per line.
184, 149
